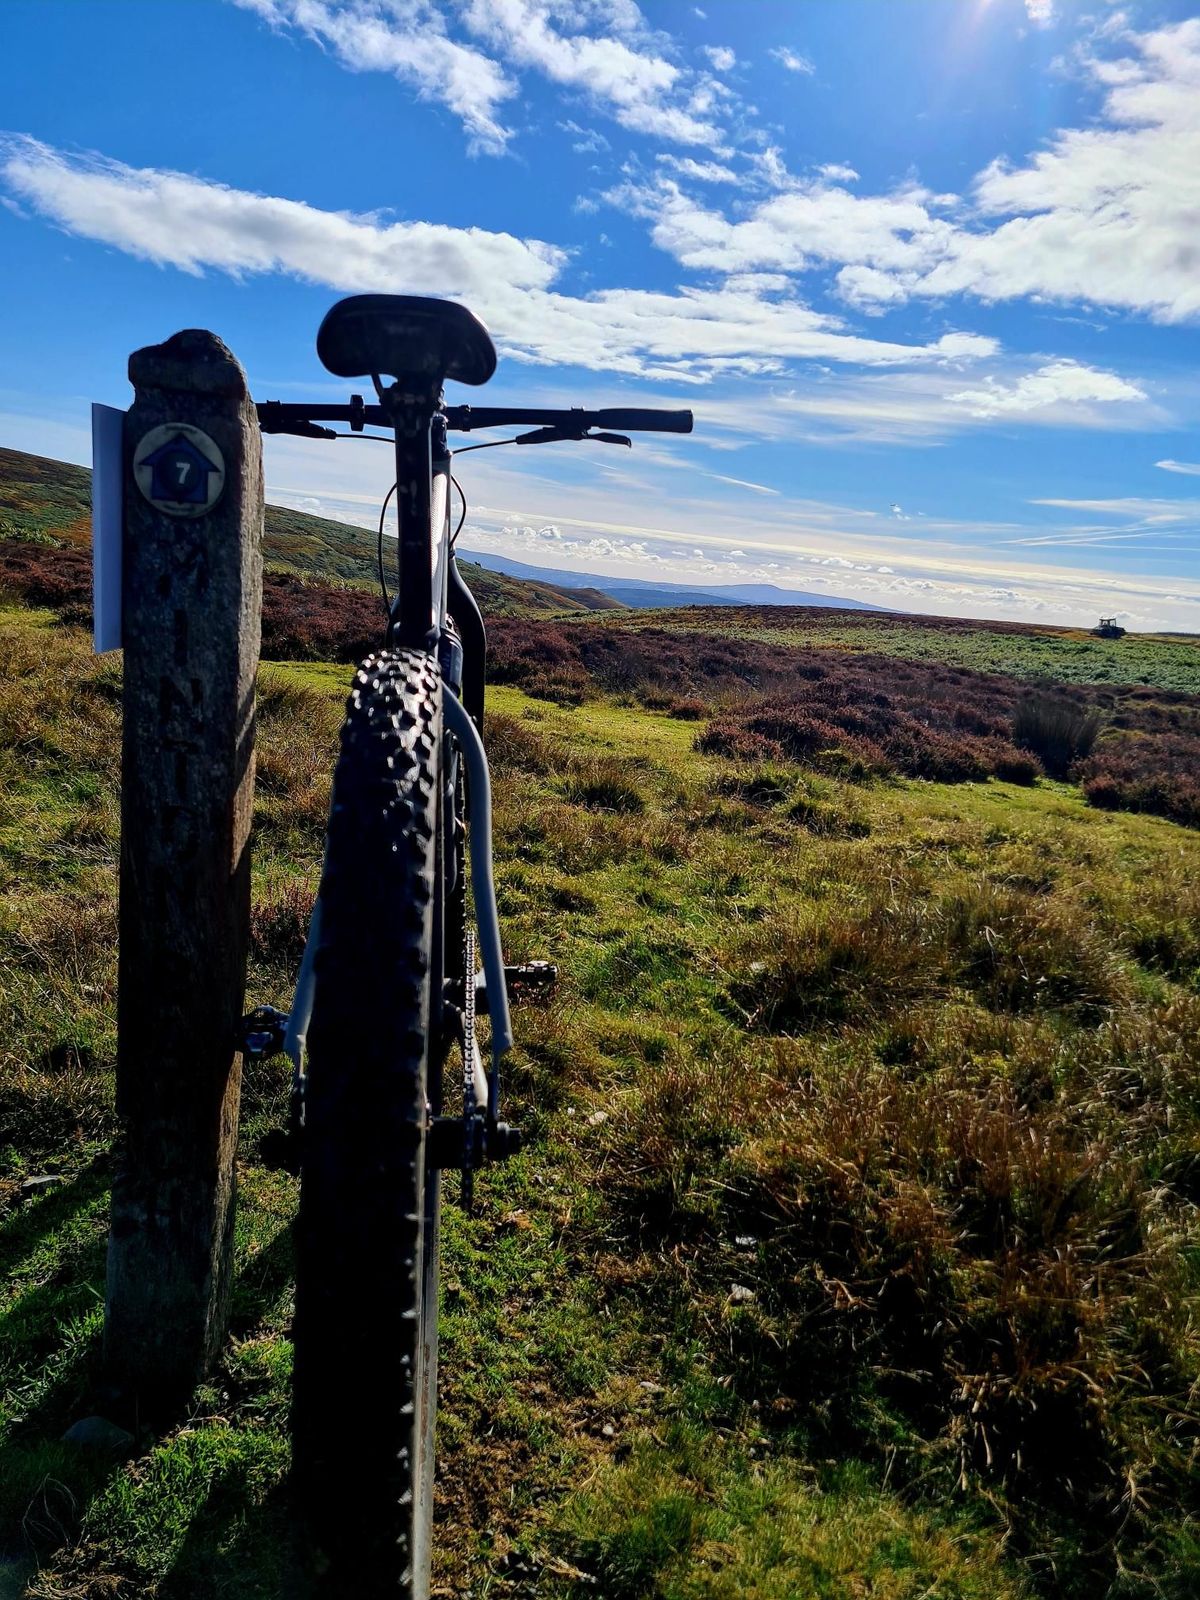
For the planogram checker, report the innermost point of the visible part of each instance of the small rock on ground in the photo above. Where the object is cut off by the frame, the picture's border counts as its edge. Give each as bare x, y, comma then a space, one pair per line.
40, 1183
98, 1433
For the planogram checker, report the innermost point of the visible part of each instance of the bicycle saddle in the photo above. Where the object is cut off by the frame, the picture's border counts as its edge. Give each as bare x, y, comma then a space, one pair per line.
405, 335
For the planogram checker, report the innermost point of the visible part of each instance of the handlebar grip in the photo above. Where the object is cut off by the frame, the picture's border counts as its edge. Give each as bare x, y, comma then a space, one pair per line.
646, 421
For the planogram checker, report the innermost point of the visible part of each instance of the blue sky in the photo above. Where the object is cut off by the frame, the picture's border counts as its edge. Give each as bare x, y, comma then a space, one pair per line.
928, 271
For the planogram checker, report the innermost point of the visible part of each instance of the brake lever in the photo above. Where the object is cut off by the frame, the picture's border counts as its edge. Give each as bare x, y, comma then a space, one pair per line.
269, 421
552, 435
545, 436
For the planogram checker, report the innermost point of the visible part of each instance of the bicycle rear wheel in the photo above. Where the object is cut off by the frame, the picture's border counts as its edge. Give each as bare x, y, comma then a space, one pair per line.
365, 1329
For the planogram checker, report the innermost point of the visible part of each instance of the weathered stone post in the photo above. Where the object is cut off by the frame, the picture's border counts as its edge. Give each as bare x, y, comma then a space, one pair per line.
191, 604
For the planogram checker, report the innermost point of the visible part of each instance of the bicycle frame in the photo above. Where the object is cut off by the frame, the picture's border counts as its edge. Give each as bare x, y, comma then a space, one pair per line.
407, 784
421, 618
433, 610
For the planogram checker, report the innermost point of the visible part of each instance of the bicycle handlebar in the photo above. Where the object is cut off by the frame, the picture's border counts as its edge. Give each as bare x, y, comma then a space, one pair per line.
275, 416
464, 418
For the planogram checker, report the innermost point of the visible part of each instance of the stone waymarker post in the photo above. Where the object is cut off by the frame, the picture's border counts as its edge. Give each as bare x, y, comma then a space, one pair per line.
191, 610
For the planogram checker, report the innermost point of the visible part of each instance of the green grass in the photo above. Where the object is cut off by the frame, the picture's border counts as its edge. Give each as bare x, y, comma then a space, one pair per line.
1061, 655
854, 1251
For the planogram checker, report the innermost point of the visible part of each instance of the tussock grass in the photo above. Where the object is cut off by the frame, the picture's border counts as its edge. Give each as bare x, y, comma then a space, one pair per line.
1059, 731
854, 1247
515, 745
893, 944
698, 1522
603, 783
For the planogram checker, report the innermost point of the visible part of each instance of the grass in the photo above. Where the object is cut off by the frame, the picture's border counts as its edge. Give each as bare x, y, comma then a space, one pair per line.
854, 1250
1019, 650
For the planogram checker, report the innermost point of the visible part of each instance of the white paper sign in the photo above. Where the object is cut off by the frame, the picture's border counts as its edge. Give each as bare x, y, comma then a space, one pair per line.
107, 530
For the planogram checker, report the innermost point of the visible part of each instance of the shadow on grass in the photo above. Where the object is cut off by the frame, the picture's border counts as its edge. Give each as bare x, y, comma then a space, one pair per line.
237, 1546
37, 1219
263, 1281
237, 1538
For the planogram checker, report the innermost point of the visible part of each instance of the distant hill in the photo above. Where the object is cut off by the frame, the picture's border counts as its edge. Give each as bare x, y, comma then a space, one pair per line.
501, 595
642, 593
49, 502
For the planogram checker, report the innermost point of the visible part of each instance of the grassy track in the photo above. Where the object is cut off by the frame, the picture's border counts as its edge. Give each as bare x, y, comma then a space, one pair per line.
855, 1249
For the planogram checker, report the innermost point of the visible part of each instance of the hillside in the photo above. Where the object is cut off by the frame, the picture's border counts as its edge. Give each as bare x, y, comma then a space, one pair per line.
1022, 649
853, 1249
501, 595
49, 502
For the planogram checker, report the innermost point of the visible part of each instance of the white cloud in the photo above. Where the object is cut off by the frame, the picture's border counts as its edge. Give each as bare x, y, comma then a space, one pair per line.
625, 75
838, 172
1190, 469
588, 141
951, 568
1050, 385
923, 407
701, 171
176, 220
721, 56
742, 483
407, 39
1139, 507
792, 61
1105, 215
1040, 12
687, 335
806, 225
604, 51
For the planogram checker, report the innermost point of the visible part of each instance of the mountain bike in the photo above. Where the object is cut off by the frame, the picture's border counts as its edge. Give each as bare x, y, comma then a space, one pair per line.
389, 994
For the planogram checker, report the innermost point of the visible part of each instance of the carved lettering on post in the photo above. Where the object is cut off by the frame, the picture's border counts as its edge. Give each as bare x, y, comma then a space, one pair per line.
192, 600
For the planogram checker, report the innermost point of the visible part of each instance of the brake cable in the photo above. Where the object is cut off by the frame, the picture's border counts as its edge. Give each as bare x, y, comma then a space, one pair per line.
387, 500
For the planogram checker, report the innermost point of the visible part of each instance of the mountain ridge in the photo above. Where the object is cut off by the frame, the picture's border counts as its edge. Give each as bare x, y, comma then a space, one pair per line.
645, 593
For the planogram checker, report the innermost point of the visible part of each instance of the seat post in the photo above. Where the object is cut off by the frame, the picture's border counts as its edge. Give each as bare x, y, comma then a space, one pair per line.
411, 408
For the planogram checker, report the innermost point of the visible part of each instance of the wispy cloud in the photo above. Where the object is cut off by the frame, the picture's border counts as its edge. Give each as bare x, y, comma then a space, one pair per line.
925, 407
1190, 469
720, 56
793, 60
619, 66
411, 43
952, 568
701, 171
687, 335
606, 52
587, 141
1104, 215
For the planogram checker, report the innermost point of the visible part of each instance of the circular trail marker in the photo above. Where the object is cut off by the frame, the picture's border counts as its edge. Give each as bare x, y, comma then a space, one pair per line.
179, 469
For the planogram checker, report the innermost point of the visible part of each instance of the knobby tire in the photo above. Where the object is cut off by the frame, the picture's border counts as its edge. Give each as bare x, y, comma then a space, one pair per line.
365, 1331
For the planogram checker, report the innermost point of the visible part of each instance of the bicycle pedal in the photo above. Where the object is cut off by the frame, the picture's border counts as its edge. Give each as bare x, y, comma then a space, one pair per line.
527, 978
532, 975
450, 1143
262, 1033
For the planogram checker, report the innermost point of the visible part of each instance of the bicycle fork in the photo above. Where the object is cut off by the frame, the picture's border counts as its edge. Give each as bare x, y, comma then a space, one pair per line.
478, 1137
